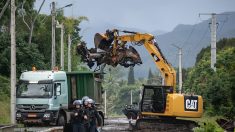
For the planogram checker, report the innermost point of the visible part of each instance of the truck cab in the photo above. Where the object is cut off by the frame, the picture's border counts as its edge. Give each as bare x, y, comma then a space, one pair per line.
46, 96
40, 95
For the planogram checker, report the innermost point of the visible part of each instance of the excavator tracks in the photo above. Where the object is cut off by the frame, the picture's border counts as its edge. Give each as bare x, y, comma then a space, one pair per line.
163, 125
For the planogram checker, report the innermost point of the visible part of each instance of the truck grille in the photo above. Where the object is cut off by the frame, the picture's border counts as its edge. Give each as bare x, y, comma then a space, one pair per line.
32, 107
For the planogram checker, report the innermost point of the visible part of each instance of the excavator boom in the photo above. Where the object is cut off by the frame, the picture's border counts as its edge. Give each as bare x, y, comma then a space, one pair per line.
150, 44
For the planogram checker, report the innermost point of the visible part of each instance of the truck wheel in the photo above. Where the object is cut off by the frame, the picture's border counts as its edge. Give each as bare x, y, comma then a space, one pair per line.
61, 120
102, 120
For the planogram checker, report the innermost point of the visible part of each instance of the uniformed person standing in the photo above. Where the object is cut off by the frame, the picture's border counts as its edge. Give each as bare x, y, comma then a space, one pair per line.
94, 117
78, 117
86, 111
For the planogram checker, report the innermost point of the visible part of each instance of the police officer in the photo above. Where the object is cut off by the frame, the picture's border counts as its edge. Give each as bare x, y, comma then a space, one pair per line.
78, 116
93, 115
84, 98
86, 111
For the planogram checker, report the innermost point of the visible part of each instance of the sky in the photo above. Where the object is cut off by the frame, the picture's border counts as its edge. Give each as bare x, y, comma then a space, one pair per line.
148, 15
151, 16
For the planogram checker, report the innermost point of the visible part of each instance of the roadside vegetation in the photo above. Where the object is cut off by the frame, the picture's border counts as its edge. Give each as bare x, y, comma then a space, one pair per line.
32, 48
4, 100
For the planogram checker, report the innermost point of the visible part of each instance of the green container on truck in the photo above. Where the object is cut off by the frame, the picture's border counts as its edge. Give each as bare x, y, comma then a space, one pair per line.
47, 96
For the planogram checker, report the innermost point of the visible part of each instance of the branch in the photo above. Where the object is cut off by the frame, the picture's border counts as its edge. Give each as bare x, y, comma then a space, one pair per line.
4, 8
32, 22
23, 16
43, 20
26, 23
39, 11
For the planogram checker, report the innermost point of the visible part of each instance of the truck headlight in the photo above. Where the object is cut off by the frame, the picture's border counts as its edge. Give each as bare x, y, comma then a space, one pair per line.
18, 115
47, 115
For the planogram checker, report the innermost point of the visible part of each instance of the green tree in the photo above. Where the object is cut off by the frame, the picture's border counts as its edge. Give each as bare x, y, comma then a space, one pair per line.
26, 55
150, 77
217, 88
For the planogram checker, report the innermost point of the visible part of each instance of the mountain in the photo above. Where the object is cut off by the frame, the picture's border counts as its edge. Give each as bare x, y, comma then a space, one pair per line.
192, 38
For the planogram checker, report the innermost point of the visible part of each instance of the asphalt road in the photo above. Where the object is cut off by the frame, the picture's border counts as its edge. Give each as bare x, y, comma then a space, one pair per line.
111, 125
116, 125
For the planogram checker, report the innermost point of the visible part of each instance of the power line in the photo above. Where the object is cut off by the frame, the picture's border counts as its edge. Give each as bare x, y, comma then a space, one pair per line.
185, 42
199, 43
223, 22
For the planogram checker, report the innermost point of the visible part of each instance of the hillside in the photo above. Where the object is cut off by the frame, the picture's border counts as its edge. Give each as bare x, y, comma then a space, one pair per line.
192, 38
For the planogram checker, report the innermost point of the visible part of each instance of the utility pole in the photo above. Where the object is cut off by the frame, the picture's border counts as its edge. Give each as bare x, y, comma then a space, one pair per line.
131, 98
69, 53
53, 57
213, 41
213, 26
13, 63
54, 25
61, 26
180, 70
105, 104
180, 67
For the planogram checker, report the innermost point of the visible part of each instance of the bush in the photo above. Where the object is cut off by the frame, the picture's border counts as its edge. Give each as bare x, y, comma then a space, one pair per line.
208, 126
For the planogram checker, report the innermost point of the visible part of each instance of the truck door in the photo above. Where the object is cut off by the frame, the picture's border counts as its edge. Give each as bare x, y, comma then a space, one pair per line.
60, 96
56, 95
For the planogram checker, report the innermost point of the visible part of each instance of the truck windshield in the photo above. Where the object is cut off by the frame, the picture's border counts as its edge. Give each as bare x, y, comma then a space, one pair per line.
34, 90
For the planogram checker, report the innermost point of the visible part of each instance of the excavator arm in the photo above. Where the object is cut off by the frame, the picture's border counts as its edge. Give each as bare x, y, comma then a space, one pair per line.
115, 51
167, 71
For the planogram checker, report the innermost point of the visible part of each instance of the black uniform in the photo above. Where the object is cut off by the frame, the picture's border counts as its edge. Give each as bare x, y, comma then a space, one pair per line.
78, 120
87, 121
93, 117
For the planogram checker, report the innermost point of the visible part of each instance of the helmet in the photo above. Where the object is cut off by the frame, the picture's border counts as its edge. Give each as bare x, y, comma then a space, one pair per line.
84, 98
90, 101
77, 102
85, 102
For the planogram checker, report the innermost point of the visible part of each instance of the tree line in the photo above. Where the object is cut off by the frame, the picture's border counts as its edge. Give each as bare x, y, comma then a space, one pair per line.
33, 43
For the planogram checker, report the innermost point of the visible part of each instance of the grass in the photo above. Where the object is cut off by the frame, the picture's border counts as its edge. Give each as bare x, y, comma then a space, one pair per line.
5, 112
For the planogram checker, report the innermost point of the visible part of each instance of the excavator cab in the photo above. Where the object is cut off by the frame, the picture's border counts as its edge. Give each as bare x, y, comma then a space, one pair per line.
154, 98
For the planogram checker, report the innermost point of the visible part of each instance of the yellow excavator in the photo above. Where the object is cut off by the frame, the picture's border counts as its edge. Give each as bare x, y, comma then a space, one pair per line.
160, 105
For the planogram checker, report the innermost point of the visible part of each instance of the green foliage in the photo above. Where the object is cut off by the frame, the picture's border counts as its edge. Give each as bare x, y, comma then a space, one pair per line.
4, 88
26, 55
154, 78
208, 126
38, 53
4, 100
5, 111
5, 20
222, 44
118, 90
217, 88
